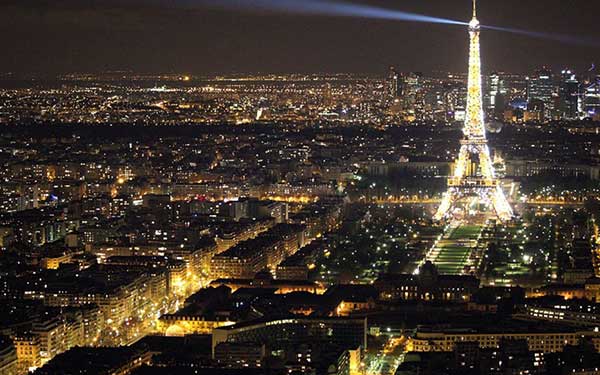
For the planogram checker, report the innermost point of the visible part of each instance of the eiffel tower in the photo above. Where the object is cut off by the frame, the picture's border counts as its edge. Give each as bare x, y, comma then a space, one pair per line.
468, 181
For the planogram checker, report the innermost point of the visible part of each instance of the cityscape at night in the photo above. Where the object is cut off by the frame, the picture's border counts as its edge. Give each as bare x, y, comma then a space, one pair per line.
287, 187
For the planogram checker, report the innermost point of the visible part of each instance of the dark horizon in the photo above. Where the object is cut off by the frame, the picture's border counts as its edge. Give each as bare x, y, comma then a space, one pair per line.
67, 36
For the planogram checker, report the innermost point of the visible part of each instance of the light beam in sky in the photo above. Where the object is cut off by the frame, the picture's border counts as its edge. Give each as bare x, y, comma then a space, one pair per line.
340, 8
321, 7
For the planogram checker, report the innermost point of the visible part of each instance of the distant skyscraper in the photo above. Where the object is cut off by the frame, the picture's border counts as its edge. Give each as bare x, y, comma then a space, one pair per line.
457, 101
414, 95
496, 93
568, 93
591, 98
395, 84
540, 89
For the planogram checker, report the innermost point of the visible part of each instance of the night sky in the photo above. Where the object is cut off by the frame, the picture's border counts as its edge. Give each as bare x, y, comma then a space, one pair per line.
60, 36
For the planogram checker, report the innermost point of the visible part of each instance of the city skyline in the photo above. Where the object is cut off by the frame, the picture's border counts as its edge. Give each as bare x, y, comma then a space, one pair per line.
390, 223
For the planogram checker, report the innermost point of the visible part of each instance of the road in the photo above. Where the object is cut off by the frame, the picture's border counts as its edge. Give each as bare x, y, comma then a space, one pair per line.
387, 359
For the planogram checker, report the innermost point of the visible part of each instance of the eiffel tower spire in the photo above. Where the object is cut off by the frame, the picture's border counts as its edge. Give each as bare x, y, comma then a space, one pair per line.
474, 123
466, 180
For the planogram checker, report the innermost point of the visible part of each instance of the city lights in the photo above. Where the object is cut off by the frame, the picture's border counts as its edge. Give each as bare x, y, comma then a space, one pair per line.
193, 187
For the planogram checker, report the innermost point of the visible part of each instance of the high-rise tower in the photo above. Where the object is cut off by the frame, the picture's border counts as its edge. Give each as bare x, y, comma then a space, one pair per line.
473, 171
569, 94
540, 92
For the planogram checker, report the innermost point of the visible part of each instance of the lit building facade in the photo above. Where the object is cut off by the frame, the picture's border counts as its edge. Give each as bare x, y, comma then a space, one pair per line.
552, 341
540, 92
569, 95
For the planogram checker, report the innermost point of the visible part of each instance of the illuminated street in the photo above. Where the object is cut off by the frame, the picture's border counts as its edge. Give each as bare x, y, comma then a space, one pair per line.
387, 359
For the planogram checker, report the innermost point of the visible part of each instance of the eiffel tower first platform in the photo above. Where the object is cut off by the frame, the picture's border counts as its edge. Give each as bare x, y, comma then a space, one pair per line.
480, 182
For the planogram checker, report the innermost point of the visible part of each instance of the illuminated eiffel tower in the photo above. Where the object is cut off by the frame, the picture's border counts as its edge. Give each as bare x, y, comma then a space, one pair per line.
480, 181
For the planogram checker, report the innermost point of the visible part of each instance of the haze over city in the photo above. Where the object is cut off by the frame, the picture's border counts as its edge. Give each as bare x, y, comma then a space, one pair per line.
194, 37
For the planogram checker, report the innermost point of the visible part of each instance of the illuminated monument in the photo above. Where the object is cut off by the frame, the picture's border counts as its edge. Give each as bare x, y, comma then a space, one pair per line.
474, 174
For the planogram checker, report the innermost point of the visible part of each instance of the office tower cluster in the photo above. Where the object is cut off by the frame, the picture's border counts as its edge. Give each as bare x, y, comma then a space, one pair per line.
542, 96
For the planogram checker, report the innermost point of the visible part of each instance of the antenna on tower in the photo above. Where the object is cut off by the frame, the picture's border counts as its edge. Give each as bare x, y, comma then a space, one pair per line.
474, 9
